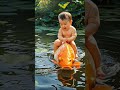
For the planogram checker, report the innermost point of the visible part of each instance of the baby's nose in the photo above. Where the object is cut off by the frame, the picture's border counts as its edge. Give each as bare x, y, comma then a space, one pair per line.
64, 26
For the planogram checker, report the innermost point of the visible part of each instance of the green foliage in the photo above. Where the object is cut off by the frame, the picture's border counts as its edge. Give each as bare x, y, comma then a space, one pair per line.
47, 16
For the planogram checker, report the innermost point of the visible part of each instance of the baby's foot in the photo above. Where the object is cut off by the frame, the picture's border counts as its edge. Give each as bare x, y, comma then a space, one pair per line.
100, 73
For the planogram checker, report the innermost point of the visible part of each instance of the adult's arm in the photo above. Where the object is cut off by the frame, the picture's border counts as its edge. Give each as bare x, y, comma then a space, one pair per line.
93, 20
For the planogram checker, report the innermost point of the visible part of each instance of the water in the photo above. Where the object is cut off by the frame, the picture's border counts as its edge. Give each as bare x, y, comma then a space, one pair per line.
108, 41
17, 55
48, 76
108, 38
16, 48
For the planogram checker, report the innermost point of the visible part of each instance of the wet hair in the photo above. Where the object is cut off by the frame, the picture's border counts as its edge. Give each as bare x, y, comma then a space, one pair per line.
65, 16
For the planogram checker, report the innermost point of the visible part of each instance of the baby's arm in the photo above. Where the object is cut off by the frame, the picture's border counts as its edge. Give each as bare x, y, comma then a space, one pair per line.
74, 35
60, 36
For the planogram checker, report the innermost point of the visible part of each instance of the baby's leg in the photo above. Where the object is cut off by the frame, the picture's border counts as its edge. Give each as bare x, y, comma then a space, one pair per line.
57, 44
74, 47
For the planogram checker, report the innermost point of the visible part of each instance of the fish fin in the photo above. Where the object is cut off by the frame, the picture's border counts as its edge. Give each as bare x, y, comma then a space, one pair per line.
77, 64
54, 61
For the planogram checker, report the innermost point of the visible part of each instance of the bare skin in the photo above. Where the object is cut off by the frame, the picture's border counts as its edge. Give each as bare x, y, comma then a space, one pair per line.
92, 22
67, 33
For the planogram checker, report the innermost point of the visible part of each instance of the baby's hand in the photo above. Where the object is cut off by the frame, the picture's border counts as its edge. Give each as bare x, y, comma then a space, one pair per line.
68, 40
64, 40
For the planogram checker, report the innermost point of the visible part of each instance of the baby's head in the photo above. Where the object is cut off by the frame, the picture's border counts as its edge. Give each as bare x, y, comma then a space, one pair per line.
65, 20
65, 16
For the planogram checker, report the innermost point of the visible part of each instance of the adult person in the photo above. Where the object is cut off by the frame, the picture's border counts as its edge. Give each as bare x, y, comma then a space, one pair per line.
92, 22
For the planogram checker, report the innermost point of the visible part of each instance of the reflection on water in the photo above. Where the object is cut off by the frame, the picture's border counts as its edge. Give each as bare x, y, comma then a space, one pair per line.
108, 38
74, 80
109, 42
16, 54
69, 80
48, 75
111, 67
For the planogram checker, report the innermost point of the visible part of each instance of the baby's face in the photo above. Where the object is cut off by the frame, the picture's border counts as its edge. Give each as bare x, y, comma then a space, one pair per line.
65, 24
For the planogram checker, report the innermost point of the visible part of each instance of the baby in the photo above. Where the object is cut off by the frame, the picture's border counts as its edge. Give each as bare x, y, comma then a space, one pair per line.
67, 33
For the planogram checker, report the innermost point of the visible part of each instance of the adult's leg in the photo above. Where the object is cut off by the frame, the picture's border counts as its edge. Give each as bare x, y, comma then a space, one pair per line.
92, 46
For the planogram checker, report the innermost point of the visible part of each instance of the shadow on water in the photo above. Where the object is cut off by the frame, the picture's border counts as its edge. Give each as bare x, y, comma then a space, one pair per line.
48, 75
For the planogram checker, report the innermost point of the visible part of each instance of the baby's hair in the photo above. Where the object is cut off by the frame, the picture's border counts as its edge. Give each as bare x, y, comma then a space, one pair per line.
65, 15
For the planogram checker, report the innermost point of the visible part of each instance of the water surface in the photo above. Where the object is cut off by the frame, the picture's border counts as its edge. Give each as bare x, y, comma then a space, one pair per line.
48, 76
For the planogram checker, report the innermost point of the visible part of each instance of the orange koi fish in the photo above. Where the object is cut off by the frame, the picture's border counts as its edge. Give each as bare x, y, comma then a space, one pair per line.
65, 57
